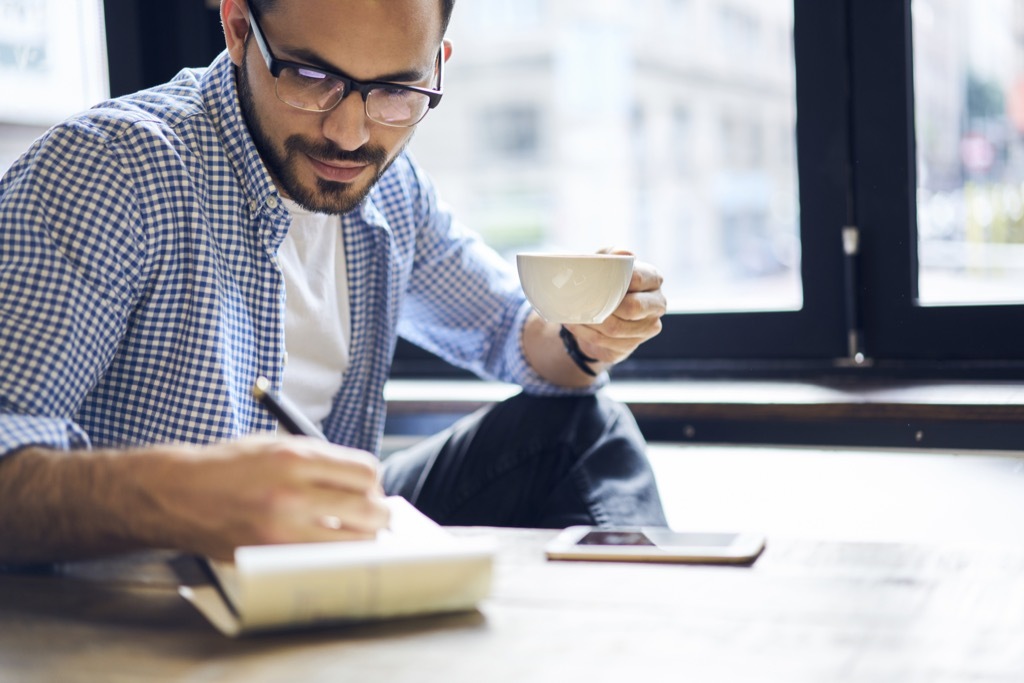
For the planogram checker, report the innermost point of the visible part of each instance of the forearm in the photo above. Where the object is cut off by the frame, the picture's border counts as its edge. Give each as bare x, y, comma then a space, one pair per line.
209, 500
547, 355
57, 505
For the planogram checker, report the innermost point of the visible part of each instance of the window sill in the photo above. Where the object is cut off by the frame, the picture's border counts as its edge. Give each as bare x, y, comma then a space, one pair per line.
959, 415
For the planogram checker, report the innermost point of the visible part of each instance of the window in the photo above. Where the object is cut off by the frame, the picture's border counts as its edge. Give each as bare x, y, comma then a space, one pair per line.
680, 147
936, 179
609, 105
510, 132
969, 123
52, 61
738, 30
910, 138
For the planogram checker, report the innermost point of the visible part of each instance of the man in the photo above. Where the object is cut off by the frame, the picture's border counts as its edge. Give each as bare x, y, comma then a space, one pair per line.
260, 217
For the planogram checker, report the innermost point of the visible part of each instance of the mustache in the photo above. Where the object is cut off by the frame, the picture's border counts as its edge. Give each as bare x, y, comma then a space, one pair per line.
328, 151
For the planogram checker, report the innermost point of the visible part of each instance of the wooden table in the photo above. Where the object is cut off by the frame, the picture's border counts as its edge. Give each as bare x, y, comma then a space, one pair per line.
806, 611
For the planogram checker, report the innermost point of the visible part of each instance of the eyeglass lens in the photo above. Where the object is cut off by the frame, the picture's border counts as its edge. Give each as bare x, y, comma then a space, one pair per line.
316, 91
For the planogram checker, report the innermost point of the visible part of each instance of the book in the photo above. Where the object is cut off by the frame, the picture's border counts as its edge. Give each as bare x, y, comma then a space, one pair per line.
414, 567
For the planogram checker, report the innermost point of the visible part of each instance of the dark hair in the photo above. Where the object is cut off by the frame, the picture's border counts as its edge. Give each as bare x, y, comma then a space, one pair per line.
264, 6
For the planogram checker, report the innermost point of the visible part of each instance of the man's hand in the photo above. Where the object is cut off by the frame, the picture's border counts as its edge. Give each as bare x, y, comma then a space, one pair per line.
637, 319
207, 500
265, 490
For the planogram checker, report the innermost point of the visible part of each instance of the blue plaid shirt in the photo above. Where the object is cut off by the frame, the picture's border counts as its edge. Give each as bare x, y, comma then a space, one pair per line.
141, 294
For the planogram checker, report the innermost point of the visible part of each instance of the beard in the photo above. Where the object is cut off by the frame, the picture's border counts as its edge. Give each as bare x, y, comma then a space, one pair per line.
323, 196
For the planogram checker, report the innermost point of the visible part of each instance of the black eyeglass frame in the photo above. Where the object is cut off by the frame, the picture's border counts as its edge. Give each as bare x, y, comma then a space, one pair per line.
275, 66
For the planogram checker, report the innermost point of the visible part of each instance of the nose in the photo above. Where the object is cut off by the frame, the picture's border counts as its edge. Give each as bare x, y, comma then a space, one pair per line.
346, 125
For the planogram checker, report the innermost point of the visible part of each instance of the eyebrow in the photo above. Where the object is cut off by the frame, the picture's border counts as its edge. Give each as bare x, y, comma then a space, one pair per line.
312, 59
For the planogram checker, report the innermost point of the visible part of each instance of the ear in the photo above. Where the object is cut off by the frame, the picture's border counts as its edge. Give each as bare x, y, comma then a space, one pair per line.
447, 49
234, 16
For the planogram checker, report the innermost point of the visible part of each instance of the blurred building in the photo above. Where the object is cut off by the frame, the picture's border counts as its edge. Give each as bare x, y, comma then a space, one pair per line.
664, 125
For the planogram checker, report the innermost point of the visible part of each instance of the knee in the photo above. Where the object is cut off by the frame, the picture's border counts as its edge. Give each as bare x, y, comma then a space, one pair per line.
614, 420
581, 419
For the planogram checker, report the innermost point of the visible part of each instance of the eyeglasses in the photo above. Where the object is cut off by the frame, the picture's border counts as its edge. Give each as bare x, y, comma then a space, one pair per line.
311, 88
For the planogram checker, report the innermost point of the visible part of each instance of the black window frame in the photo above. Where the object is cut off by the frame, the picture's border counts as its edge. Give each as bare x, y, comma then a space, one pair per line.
964, 338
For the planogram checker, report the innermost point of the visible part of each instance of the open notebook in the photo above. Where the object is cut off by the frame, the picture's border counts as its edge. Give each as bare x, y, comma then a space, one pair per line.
414, 567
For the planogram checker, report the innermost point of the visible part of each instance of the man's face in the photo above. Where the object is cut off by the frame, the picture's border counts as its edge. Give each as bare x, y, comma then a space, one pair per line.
328, 161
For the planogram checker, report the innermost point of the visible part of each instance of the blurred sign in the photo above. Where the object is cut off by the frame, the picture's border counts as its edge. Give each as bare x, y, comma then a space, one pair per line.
977, 153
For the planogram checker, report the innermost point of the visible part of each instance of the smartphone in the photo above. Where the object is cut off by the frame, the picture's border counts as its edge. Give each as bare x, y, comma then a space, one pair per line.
655, 544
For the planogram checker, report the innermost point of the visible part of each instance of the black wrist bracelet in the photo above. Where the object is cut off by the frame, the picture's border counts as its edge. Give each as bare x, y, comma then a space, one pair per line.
572, 347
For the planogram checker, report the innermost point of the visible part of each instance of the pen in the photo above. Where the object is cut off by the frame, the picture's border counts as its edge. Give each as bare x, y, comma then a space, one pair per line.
287, 415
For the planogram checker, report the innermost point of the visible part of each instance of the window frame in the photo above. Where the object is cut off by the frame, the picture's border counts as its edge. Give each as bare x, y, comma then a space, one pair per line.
967, 338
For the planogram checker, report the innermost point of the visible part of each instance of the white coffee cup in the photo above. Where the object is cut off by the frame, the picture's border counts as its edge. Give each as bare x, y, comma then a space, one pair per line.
575, 288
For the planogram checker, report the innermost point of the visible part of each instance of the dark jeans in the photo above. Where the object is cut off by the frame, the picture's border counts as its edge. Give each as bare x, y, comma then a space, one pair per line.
529, 461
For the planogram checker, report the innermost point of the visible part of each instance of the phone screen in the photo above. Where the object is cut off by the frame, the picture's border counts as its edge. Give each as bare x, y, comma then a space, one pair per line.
664, 538
615, 538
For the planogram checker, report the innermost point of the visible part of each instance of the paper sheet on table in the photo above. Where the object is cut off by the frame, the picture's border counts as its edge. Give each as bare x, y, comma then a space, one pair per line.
415, 567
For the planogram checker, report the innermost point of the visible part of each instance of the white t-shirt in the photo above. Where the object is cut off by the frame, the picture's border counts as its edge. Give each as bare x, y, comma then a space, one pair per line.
317, 322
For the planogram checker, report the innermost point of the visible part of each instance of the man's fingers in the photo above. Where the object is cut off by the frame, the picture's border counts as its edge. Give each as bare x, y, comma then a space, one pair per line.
323, 534
641, 305
646, 278
615, 250
594, 341
342, 511
316, 513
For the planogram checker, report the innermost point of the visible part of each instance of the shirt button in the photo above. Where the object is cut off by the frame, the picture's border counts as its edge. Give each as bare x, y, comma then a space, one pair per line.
272, 202
253, 204
284, 358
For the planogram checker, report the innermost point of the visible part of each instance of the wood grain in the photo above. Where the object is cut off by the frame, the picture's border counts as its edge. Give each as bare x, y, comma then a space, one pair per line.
806, 611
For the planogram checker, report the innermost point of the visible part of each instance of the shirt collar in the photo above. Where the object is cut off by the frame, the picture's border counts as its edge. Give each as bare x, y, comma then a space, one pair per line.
220, 94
